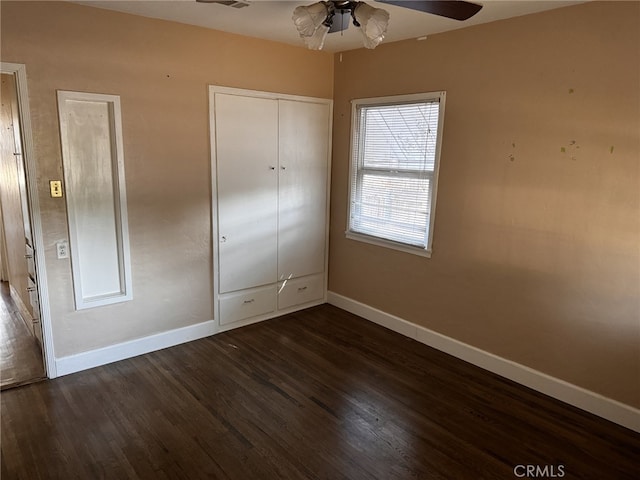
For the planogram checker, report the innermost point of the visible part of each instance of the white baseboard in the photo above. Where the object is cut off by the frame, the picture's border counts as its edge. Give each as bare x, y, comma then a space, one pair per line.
582, 398
133, 348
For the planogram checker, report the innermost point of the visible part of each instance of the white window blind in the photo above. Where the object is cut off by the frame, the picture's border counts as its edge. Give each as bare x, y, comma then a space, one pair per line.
394, 159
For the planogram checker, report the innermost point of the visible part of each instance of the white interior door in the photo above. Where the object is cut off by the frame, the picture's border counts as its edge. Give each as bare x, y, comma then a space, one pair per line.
303, 138
246, 130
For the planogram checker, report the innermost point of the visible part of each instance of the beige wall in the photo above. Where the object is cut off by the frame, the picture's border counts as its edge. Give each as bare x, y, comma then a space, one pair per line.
536, 250
161, 71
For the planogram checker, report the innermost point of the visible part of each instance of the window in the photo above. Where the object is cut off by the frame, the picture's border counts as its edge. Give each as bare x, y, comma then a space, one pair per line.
395, 147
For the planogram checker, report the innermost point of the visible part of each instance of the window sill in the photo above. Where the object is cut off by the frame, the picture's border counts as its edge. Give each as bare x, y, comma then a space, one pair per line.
422, 252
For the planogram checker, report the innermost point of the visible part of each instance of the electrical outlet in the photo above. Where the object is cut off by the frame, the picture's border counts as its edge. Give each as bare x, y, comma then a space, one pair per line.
62, 249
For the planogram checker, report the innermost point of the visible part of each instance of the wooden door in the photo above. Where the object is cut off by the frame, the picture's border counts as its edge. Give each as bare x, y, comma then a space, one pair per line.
14, 203
246, 138
304, 144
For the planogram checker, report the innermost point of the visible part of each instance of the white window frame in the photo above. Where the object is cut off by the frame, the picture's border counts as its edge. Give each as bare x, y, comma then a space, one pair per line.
356, 167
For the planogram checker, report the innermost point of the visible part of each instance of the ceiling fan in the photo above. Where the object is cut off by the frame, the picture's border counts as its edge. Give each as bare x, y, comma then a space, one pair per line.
315, 21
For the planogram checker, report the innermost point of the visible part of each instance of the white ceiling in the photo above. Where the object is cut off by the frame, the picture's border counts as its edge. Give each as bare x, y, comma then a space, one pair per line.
270, 19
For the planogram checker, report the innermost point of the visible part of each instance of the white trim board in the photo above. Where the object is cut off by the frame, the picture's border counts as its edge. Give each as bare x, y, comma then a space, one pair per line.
133, 348
574, 395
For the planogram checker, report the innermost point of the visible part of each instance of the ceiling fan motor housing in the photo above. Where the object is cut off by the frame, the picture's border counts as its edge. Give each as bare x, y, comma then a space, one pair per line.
342, 7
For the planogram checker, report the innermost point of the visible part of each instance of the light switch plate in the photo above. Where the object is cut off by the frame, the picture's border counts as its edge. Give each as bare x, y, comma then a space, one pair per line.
56, 188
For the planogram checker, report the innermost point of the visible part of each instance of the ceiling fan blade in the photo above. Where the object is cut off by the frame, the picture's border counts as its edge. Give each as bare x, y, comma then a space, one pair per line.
228, 3
340, 21
458, 10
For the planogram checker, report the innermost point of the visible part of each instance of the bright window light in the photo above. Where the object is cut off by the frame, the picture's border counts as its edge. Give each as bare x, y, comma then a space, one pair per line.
394, 170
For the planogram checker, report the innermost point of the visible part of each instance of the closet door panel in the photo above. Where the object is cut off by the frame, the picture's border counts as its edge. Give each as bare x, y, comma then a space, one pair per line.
304, 135
247, 183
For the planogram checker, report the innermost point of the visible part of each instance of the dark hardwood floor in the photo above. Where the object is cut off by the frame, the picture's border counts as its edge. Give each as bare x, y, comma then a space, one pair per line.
319, 394
20, 354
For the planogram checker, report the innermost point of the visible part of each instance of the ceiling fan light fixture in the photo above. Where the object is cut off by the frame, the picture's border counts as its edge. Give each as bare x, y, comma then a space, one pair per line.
312, 25
316, 41
373, 23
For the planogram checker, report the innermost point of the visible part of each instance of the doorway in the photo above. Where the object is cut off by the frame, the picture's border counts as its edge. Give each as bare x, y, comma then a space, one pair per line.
21, 341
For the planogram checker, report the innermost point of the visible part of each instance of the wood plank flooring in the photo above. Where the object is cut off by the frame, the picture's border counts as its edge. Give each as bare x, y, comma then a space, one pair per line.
20, 354
319, 394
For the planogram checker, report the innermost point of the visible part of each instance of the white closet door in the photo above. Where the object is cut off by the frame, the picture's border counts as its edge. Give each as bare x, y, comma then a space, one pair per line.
247, 183
304, 135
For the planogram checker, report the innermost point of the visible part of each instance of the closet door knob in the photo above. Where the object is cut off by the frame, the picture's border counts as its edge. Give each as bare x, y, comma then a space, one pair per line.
283, 168
272, 168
